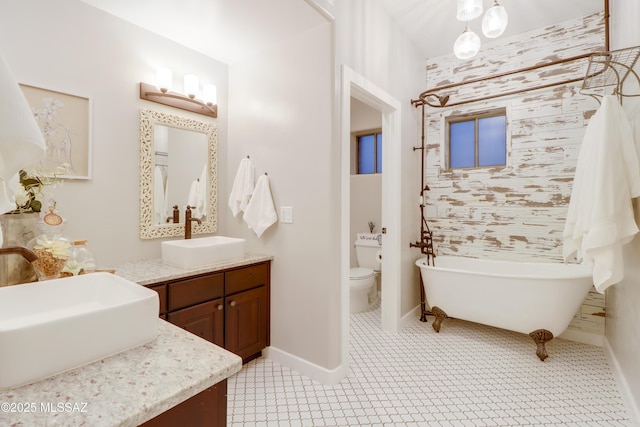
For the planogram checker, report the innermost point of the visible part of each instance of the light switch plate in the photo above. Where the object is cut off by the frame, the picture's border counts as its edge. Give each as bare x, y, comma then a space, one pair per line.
286, 214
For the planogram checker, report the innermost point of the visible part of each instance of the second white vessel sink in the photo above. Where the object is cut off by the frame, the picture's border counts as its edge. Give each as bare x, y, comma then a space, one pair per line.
50, 327
202, 251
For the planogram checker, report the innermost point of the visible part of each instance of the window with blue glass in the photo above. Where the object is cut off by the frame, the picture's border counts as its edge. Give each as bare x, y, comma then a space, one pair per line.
369, 153
478, 140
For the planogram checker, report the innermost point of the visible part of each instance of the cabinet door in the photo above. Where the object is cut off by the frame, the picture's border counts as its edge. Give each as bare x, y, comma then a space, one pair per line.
207, 408
205, 320
246, 322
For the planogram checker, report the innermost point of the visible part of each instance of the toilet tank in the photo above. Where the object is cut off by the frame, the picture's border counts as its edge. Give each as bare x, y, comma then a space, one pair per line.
367, 248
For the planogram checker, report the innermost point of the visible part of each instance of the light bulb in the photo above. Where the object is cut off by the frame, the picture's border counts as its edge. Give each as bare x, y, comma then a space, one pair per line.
191, 85
164, 79
495, 21
467, 45
209, 94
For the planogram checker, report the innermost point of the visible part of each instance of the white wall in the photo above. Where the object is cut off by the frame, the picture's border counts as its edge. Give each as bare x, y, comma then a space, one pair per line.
280, 116
623, 299
71, 47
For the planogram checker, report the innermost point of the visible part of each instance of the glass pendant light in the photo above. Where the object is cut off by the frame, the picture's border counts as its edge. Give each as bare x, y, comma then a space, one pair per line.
495, 21
468, 9
467, 44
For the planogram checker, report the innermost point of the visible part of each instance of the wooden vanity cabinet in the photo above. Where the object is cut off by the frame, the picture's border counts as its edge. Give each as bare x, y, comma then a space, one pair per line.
247, 311
207, 408
230, 308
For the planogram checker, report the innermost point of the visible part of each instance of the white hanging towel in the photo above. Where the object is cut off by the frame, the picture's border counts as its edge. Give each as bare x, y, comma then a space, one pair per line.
243, 185
600, 217
197, 197
260, 213
21, 141
192, 198
201, 196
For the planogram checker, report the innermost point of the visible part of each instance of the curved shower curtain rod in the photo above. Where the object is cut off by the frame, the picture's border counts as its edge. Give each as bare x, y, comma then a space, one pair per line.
605, 68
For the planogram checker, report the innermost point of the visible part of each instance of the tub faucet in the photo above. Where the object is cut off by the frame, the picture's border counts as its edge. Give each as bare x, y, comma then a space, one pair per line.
187, 222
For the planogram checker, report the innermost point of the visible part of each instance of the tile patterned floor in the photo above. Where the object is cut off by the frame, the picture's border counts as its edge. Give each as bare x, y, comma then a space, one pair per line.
467, 375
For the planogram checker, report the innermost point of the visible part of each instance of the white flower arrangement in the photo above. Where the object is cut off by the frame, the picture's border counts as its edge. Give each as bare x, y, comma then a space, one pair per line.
52, 255
58, 248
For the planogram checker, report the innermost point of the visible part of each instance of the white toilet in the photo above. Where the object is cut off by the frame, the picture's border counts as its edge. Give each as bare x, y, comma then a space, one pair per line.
362, 279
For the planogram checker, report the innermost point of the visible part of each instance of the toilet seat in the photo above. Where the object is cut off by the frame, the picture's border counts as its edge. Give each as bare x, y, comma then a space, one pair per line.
359, 273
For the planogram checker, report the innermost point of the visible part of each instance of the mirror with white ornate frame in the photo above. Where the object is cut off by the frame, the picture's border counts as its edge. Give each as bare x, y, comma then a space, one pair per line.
170, 149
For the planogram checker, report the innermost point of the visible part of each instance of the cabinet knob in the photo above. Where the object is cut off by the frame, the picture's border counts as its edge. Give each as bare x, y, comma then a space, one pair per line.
220, 306
232, 303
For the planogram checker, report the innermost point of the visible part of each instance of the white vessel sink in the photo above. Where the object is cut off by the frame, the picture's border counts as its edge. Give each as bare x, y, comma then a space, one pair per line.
202, 251
50, 327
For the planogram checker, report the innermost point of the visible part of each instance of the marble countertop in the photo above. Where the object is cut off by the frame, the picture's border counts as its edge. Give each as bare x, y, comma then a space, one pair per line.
153, 271
126, 389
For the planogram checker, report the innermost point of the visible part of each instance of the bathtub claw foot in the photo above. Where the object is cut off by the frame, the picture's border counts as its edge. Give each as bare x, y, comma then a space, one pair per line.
440, 316
541, 336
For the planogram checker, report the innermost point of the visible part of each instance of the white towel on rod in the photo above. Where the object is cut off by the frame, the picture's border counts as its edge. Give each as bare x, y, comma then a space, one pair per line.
243, 186
260, 213
600, 218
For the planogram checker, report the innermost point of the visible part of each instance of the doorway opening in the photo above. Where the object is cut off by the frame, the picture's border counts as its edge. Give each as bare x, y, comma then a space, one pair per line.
355, 86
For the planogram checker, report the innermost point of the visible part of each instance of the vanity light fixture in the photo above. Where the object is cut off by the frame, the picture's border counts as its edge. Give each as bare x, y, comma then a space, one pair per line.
161, 93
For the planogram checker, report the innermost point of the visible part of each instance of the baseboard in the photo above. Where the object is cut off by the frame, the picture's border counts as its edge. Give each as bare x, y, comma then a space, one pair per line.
583, 337
409, 317
627, 396
316, 372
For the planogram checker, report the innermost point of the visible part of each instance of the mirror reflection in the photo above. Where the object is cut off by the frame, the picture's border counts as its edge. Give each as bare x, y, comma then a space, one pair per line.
177, 169
180, 174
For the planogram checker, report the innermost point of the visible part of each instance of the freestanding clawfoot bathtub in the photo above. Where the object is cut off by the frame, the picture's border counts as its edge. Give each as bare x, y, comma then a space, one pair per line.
538, 299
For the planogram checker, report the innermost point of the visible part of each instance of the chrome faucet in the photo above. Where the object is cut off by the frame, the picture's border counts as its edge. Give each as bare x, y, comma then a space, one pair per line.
187, 222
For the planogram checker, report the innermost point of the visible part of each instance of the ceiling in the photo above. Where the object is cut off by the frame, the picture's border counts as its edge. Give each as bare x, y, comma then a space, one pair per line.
433, 27
229, 30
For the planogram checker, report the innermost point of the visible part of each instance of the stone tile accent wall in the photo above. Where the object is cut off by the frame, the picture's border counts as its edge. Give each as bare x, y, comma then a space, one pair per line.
517, 212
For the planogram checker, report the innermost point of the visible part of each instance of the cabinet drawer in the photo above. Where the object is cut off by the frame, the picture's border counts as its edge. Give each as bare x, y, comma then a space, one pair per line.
162, 294
246, 278
194, 291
